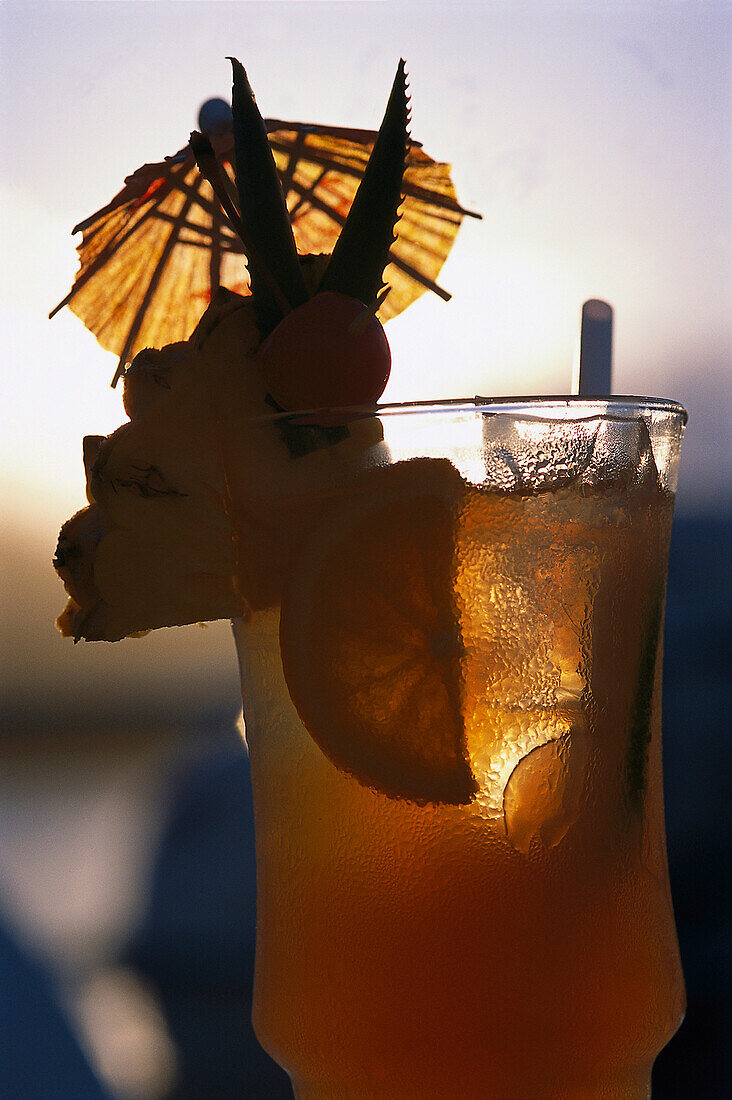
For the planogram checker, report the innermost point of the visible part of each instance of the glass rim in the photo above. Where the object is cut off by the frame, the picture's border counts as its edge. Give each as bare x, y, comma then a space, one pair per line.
618, 405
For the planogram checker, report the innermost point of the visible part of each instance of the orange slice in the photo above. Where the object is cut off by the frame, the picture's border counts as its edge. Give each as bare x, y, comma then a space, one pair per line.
370, 639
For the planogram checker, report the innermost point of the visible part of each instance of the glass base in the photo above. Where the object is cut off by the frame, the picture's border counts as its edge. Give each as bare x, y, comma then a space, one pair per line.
635, 1085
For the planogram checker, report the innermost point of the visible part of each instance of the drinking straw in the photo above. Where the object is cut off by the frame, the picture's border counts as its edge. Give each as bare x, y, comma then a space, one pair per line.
593, 371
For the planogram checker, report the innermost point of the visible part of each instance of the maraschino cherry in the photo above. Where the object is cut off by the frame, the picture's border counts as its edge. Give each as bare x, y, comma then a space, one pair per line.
330, 352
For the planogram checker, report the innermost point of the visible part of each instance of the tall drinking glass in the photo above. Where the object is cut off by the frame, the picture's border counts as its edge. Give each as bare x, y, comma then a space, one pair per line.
454, 726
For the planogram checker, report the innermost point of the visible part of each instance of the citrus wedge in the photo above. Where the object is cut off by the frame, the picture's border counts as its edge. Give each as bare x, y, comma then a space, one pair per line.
369, 635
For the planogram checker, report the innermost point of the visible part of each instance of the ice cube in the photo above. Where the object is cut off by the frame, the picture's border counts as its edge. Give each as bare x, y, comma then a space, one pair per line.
533, 454
622, 456
542, 798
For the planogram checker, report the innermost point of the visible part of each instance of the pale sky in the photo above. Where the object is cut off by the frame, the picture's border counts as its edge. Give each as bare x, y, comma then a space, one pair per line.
594, 137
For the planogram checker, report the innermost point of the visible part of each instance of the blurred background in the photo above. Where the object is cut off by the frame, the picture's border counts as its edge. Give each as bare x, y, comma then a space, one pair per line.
594, 138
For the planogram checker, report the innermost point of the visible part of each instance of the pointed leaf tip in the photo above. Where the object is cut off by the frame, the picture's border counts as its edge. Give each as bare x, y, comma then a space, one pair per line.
361, 253
263, 209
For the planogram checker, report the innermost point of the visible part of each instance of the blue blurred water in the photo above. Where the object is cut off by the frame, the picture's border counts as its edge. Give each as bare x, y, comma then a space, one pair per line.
697, 758
196, 943
40, 1058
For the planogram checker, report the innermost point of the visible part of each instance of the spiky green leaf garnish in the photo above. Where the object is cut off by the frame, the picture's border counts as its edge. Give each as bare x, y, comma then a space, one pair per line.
361, 253
263, 208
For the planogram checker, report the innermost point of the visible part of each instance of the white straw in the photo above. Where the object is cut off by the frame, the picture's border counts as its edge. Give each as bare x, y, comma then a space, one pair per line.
593, 370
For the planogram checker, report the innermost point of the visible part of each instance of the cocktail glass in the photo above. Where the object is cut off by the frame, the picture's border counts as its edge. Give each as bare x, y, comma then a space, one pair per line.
502, 927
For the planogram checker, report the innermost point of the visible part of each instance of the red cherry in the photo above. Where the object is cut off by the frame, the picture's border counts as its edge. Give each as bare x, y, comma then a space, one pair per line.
329, 352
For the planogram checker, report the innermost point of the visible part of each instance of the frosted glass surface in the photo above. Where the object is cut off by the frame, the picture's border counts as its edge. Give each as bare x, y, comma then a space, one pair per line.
523, 940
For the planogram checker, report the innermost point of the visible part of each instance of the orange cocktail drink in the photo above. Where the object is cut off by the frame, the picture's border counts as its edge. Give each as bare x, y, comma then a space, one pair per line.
449, 623
454, 726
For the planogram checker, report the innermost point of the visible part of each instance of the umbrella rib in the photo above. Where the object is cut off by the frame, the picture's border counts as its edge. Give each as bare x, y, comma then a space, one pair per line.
434, 198
121, 236
408, 188
322, 159
205, 241
137, 185
92, 227
112, 245
226, 241
149, 292
306, 193
407, 269
214, 263
293, 156
358, 137
176, 174
193, 192
413, 273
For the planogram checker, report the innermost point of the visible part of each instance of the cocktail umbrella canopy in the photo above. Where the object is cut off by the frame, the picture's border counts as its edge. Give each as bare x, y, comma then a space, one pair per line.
152, 257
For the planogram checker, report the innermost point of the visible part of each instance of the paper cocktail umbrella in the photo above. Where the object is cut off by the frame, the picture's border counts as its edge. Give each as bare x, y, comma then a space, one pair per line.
165, 230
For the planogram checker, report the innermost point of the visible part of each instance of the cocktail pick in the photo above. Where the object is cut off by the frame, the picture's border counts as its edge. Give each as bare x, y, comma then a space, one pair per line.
593, 370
